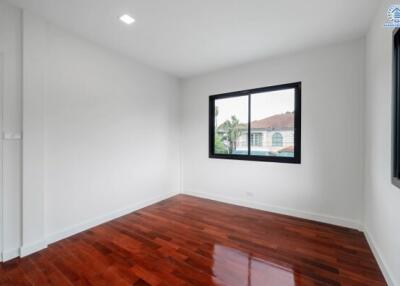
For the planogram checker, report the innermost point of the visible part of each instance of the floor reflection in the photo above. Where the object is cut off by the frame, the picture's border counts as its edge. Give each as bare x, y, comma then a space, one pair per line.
233, 267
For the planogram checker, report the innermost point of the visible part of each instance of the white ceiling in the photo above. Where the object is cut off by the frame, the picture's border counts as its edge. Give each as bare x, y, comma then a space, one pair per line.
189, 37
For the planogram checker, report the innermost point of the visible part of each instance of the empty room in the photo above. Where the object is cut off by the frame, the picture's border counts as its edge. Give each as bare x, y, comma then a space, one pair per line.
188, 142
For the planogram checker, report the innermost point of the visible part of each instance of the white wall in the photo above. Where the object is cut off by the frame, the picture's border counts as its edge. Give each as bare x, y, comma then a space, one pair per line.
10, 128
33, 169
101, 134
382, 199
111, 132
327, 186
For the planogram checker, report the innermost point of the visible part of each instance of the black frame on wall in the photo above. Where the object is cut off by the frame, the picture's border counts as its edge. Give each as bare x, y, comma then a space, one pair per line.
297, 125
396, 110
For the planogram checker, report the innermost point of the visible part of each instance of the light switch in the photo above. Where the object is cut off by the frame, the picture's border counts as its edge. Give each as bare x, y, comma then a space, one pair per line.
12, 136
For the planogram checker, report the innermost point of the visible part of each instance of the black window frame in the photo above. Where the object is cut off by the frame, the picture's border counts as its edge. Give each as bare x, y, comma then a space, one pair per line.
297, 125
396, 110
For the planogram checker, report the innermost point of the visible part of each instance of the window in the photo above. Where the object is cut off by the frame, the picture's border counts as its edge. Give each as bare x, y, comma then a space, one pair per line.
396, 110
256, 139
262, 124
277, 139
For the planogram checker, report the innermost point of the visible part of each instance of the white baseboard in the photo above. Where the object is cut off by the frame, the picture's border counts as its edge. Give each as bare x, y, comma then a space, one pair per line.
281, 210
26, 250
29, 249
9, 254
379, 258
104, 218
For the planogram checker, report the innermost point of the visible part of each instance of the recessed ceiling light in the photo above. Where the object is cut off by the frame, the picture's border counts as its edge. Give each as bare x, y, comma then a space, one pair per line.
127, 19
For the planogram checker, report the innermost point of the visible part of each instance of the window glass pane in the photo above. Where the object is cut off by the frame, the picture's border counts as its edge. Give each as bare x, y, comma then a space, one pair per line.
231, 125
272, 123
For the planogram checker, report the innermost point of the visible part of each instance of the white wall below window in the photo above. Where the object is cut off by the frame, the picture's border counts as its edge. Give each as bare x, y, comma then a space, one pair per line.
328, 184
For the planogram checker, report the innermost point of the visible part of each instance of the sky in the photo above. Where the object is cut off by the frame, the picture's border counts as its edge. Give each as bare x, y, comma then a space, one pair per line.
262, 105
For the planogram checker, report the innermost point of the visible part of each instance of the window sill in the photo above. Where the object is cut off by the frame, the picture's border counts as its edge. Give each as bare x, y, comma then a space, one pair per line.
257, 158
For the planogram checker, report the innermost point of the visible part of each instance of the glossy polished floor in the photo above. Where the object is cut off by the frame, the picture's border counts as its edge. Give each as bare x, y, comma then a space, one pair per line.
190, 241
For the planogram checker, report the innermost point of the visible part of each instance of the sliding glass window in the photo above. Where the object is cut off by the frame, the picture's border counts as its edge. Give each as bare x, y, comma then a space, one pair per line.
262, 124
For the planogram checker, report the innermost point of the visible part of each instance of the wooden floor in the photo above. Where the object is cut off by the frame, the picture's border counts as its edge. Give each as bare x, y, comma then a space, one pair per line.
190, 241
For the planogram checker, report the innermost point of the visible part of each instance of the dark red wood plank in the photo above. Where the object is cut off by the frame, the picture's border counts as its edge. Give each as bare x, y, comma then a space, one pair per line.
190, 241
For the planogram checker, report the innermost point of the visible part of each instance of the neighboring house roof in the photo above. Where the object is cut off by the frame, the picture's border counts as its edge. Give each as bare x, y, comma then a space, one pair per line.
282, 121
287, 149
279, 121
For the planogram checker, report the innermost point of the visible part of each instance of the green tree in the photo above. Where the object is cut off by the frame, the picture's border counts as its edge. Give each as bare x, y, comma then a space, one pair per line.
219, 146
232, 131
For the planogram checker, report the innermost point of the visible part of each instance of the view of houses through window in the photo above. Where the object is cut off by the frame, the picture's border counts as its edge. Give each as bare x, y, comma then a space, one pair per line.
272, 123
